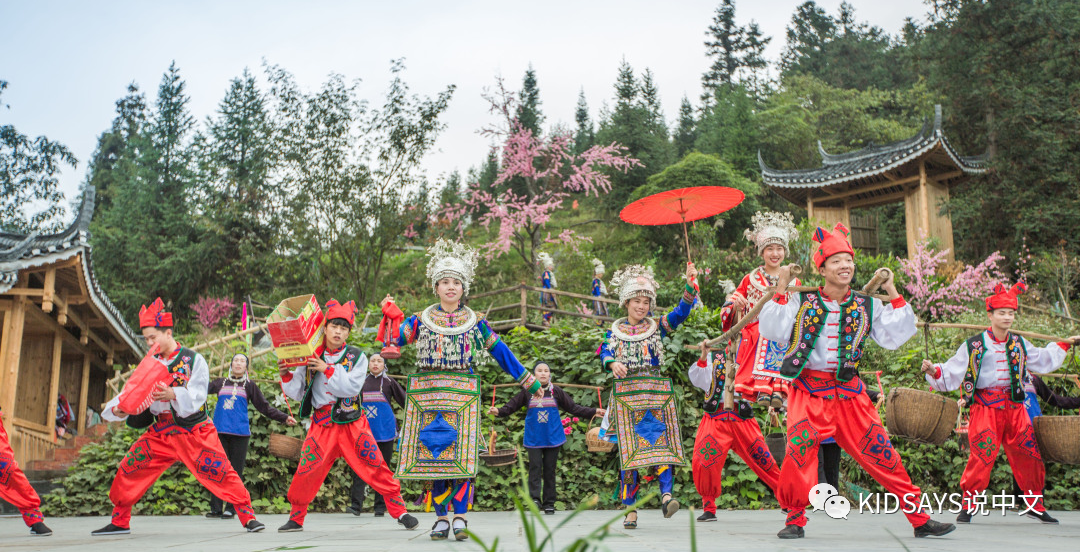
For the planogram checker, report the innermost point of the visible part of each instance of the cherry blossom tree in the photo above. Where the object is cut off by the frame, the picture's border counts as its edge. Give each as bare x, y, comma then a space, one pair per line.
550, 172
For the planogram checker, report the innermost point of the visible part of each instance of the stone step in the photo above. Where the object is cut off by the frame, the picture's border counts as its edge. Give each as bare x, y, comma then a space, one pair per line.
65, 455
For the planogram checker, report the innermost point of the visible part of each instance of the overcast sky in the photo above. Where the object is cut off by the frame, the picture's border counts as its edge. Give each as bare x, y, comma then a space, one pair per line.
68, 62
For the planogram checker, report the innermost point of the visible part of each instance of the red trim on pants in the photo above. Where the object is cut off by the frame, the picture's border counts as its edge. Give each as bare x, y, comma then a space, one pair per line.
165, 443
858, 430
990, 429
353, 442
14, 487
718, 435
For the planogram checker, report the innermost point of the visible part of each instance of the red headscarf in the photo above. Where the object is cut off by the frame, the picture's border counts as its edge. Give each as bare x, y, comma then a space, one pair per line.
1005, 297
831, 243
155, 316
337, 310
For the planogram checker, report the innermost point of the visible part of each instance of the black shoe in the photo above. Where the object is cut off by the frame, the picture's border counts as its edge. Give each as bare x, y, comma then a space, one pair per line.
670, 507
254, 526
213, 515
290, 527
550, 511
380, 513
39, 529
353, 510
461, 534
934, 529
963, 517
228, 514
707, 516
1042, 516
111, 529
408, 521
792, 532
440, 534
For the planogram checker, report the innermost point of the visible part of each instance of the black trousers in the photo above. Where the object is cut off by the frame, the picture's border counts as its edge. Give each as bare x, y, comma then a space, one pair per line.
542, 462
359, 488
829, 464
236, 447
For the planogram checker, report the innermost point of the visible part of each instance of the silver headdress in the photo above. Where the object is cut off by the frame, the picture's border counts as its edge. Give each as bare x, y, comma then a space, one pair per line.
634, 281
598, 266
771, 227
545, 260
451, 259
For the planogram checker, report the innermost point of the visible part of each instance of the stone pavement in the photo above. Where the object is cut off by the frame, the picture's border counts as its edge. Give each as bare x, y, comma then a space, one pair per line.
736, 530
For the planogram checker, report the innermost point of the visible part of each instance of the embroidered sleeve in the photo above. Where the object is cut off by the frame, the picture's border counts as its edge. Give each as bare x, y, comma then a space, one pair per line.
344, 383
1042, 360
892, 326
952, 371
606, 356
678, 315
506, 359
408, 331
776, 320
191, 397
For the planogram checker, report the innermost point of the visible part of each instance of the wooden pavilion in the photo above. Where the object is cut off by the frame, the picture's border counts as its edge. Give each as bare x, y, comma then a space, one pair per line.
918, 171
60, 334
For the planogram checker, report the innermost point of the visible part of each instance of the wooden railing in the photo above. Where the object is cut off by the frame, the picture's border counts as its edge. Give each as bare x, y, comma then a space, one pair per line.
486, 303
29, 442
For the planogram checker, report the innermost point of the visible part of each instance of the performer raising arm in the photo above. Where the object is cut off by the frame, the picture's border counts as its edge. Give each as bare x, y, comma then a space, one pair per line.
824, 332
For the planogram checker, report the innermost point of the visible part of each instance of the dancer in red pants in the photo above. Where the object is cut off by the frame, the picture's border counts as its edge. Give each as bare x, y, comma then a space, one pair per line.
723, 430
329, 390
15, 489
180, 431
990, 368
823, 333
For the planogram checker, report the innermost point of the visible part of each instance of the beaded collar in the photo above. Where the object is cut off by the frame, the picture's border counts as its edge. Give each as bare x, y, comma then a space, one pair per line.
441, 322
623, 330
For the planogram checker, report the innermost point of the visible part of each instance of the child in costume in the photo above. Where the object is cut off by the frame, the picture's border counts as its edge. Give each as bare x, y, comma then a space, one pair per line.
232, 422
758, 377
722, 430
547, 280
448, 336
178, 430
379, 389
824, 333
16, 489
544, 435
990, 369
329, 390
633, 347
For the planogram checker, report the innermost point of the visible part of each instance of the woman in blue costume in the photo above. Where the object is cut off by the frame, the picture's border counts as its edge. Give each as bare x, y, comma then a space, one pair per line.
633, 348
547, 280
599, 290
447, 336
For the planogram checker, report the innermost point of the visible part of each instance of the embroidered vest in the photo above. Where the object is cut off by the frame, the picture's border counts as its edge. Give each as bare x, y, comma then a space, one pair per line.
714, 401
856, 318
642, 353
180, 369
346, 409
1016, 353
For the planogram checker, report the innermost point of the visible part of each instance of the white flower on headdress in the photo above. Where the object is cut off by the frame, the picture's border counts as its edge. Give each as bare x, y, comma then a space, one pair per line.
771, 227
727, 285
451, 259
598, 266
634, 281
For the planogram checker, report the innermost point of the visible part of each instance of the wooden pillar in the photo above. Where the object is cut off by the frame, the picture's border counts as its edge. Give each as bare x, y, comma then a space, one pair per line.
524, 308
54, 384
50, 289
84, 389
810, 207
10, 351
924, 198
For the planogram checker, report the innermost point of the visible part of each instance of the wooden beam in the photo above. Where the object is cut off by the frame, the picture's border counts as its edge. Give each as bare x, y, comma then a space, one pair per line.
47, 320
868, 189
54, 382
49, 290
25, 291
871, 201
62, 312
67, 263
10, 352
87, 332
84, 388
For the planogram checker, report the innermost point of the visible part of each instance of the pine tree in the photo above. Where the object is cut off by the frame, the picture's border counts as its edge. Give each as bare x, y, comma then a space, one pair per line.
585, 135
528, 110
686, 133
737, 52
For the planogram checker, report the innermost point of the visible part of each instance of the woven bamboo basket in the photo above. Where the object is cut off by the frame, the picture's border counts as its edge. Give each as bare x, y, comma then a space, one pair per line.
284, 446
593, 441
498, 457
920, 416
1059, 438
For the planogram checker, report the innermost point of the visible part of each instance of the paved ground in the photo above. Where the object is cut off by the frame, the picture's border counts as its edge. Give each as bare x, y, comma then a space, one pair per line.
745, 530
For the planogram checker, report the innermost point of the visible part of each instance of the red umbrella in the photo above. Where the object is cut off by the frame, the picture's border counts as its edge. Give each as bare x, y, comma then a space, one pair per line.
681, 206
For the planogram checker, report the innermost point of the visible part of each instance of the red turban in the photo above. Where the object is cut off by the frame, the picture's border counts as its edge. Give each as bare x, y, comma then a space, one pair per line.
155, 316
337, 310
1005, 297
831, 243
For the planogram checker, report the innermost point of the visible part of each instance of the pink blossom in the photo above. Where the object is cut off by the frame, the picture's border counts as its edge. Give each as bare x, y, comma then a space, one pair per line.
930, 294
210, 311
